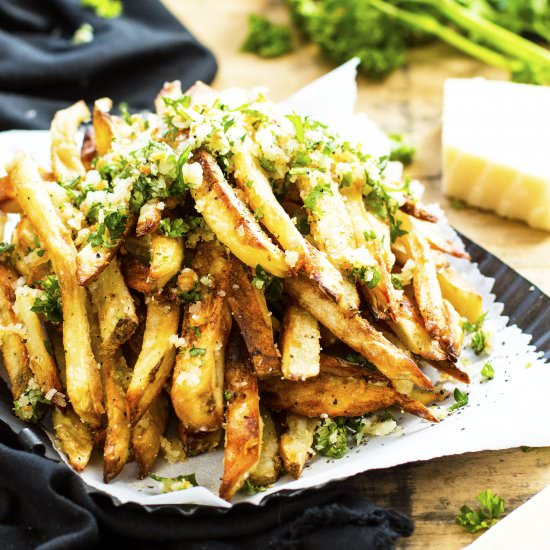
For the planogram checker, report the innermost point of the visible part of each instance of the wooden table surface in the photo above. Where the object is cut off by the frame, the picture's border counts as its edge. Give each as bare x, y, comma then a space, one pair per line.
409, 102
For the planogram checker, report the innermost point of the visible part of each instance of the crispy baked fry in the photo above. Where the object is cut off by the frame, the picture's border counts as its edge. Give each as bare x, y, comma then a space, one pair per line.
117, 435
232, 222
335, 396
268, 469
103, 125
248, 307
14, 354
146, 434
41, 363
6, 189
466, 301
166, 260
243, 430
260, 198
197, 383
196, 443
358, 334
114, 307
300, 347
149, 218
296, 444
65, 150
156, 358
75, 437
28, 257
83, 380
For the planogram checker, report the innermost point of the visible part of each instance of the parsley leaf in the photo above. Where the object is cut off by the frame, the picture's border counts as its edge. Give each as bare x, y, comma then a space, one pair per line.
251, 489
479, 337
191, 296
123, 108
178, 483
491, 507
5, 247
488, 372
265, 38
400, 149
367, 274
267, 165
194, 352
115, 222
298, 124
49, 304
461, 399
315, 194
179, 227
31, 405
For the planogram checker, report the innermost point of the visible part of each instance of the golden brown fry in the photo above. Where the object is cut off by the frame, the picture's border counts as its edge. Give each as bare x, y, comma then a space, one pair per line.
146, 435
103, 125
248, 307
41, 363
260, 198
29, 258
454, 328
296, 444
114, 307
197, 383
432, 233
450, 369
196, 443
136, 274
14, 353
268, 469
74, 437
359, 335
6, 189
88, 151
232, 222
83, 379
335, 396
93, 260
65, 151
149, 218
300, 346
166, 260
243, 430
156, 358
465, 300
117, 435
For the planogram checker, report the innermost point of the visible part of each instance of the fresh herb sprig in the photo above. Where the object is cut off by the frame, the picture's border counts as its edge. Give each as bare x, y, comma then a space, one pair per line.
491, 508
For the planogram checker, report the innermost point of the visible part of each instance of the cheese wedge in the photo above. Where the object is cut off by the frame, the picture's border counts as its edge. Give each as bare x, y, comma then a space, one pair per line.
496, 147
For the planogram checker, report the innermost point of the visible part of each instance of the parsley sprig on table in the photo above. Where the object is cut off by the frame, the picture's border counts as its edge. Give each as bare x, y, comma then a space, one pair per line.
266, 38
491, 507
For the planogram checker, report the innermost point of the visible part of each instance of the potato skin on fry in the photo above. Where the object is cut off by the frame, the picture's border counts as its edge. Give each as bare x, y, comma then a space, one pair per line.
334, 396
359, 334
269, 466
248, 310
296, 444
243, 431
74, 437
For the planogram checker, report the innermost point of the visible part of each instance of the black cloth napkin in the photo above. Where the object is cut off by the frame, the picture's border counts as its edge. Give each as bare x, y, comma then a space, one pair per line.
41, 70
43, 504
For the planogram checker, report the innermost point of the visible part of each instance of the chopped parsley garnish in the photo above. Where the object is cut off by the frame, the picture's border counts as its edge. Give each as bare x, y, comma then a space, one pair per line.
396, 281
49, 304
346, 180
123, 108
457, 204
251, 489
5, 247
315, 194
259, 213
267, 165
179, 227
195, 352
265, 38
115, 222
400, 149
228, 395
191, 296
178, 483
479, 337
301, 159
491, 507
83, 35
488, 372
31, 405
108, 9
299, 128
367, 274
262, 278
461, 399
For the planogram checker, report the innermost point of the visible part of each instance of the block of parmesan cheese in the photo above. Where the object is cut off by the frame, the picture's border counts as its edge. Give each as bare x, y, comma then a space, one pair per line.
496, 147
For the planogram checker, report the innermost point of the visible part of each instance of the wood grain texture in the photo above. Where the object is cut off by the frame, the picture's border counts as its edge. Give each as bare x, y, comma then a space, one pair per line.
409, 101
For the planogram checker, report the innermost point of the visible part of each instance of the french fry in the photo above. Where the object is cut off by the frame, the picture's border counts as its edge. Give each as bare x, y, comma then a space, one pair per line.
260, 198
296, 443
249, 310
197, 383
114, 307
146, 435
300, 347
466, 301
196, 443
75, 437
149, 218
335, 396
6, 189
83, 379
156, 358
28, 257
117, 435
232, 222
166, 260
450, 369
41, 363
103, 125
359, 335
65, 151
14, 354
268, 469
243, 430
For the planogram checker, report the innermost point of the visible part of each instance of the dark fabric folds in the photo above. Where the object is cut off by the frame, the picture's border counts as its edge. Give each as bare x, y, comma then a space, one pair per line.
41, 70
43, 504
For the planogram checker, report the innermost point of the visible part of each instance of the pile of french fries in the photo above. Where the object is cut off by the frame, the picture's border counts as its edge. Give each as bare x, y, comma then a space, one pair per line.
220, 266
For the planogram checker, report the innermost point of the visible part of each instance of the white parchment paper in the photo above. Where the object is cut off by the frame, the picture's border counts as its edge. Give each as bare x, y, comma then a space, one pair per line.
508, 411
